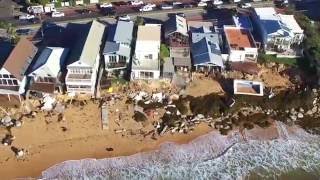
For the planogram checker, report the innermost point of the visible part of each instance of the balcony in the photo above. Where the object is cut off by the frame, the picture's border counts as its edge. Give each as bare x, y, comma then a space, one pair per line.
118, 65
78, 78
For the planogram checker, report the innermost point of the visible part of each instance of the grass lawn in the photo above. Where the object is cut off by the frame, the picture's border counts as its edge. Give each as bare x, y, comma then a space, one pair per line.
263, 58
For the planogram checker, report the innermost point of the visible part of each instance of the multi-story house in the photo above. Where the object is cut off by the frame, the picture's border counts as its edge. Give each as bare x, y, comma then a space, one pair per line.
206, 53
279, 33
117, 50
240, 44
176, 36
13, 71
146, 62
84, 62
44, 73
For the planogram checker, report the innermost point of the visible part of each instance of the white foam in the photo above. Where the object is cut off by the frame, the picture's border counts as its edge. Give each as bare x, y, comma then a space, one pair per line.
211, 156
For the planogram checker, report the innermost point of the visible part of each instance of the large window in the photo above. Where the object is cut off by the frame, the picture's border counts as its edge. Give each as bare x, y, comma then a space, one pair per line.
112, 59
146, 75
122, 59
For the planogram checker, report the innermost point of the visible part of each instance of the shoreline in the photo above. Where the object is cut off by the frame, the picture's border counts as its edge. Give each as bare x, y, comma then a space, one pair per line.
91, 147
212, 147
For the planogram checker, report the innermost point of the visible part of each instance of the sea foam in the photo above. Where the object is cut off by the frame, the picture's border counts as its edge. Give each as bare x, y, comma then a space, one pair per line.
211, 156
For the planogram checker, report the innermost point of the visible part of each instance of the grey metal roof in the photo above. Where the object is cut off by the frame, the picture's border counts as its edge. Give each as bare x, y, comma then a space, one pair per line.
123, 32
207, 51
111, 47
196, 37
92, 44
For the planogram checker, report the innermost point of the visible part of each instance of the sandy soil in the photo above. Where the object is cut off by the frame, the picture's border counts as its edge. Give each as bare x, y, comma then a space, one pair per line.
274, 79
47, 144
47, 141
203, 87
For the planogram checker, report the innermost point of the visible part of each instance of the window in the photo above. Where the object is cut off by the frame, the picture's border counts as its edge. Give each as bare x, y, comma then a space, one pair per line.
146, 75
5, 76
112, 59
149, 56
249, 56
122, 58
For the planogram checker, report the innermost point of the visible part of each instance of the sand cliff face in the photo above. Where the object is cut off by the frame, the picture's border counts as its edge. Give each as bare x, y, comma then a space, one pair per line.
273, 150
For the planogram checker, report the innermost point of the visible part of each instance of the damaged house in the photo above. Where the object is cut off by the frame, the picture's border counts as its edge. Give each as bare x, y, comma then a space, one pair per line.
44, 73
13, 71
117, 49
177, 38
84, 61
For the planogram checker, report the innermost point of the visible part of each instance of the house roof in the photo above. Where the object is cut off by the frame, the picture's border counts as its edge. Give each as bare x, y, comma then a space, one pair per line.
92, 45
200, 26
291, 23
49, 62
20, 58
111, 47
270, 21
176, 24
239, 38
243, 21
206, 50
149, 32
123, 32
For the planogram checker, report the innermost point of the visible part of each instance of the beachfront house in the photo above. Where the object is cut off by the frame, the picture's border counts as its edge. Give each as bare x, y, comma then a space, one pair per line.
146, 62
117, 50
206, 54
13, 71
44, 72
177, 37
240, 44
279, 33
84, 61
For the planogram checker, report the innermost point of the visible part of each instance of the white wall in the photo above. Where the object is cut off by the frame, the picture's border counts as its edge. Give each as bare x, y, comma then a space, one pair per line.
144, 48
135, 74
240, 55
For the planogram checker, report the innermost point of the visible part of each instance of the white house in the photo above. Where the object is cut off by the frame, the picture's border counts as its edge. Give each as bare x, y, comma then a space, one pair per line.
84, 62
117, 50
240, 44
13, 71
44, 72
278, 32
146, 62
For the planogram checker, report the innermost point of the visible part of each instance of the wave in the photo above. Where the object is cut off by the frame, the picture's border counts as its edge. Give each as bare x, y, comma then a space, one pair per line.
211, 156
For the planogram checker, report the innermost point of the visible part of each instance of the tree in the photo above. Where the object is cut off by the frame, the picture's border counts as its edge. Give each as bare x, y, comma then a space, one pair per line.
164, 51
139, 21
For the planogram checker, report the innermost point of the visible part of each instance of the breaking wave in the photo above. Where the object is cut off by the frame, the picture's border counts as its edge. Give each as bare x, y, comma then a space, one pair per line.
211, 156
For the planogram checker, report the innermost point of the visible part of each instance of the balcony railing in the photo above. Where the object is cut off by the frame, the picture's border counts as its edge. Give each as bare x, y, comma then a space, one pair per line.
116, 65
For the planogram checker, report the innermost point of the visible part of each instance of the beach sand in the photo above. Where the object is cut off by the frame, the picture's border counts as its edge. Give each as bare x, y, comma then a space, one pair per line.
47, 144
47, 141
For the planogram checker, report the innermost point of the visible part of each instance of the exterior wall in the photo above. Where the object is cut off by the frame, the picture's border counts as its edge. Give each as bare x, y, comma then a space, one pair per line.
240, 55
180, 52
145, 48
117, 64
135, 74
10, 83
88, 85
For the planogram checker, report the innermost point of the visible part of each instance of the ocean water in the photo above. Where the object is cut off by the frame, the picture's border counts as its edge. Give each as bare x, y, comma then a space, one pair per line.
295, 155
